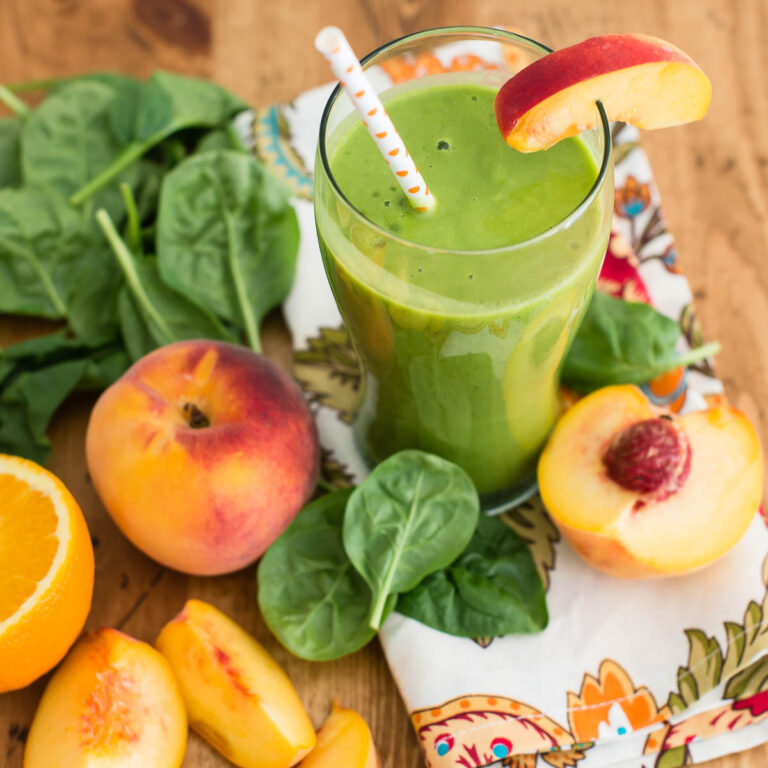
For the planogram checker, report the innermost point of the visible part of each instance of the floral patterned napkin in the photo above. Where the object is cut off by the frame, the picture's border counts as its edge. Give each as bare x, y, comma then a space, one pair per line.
634, 674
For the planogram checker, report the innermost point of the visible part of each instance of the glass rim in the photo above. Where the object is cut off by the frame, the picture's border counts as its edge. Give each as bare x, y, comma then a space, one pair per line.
479, 30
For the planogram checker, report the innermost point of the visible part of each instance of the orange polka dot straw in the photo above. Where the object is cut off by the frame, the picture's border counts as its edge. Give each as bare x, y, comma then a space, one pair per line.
330, 41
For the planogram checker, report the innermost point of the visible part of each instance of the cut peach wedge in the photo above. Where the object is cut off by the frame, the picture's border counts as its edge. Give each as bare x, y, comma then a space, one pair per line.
113, 703
639, 79
345, 740
639, 493
237, 696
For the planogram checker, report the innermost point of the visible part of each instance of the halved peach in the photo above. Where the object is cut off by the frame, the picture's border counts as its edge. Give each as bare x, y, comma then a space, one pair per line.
112, 703
639, 79
639, 493
237, 696
344, 739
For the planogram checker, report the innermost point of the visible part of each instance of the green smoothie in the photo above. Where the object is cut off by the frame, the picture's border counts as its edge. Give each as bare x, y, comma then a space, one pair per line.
461, 317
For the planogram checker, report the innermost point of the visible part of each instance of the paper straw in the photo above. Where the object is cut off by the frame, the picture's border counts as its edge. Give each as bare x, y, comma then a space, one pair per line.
330, 41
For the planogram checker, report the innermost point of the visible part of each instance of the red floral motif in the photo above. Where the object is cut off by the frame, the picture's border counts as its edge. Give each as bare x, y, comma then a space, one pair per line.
619, 276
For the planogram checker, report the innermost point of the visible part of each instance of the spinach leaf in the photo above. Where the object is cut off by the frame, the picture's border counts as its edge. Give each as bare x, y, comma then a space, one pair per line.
163, 105
114, 79
27, 403
223, 137
38, 374
227, 237
413, 515
52, 264
623, 342
310, 596
67, 141
492, 588
105, 367
134, 329
10, 144
152, 314
52, 348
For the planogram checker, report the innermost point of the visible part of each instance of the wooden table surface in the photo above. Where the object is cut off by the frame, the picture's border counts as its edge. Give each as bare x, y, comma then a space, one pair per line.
713, 178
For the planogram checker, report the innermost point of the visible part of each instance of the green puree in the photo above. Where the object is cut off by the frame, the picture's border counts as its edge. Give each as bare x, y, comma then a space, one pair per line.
461, 351
488, 194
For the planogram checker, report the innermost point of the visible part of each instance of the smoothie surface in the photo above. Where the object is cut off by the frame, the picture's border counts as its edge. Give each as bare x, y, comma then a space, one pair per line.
488, 194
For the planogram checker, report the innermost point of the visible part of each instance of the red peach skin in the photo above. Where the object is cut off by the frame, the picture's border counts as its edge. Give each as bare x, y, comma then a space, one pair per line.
203, 452
639, 79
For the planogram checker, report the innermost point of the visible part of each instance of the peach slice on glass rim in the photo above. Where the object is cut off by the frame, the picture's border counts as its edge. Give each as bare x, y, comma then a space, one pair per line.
638, 493
639, 79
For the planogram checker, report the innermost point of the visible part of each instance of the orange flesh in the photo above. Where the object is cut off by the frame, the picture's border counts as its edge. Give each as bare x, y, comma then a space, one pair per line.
28, 542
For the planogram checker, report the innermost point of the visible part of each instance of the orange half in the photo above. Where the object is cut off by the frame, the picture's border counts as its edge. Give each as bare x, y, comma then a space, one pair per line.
46, 578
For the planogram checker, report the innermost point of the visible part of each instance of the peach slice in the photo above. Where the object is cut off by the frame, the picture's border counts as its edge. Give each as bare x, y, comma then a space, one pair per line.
343, 740
237, 696
113, 703
639, 79
639, 494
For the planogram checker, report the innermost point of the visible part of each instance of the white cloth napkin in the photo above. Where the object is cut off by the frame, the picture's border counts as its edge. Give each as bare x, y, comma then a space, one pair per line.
660, 673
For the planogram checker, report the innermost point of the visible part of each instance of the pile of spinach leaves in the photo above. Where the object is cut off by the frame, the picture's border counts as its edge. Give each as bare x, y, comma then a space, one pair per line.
410, 537
131, 214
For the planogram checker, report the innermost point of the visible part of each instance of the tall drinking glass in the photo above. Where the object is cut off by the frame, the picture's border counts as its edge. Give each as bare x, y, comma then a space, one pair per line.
461, 349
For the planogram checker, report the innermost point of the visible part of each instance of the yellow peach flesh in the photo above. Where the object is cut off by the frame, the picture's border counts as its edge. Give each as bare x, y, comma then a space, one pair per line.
237, 696
573, 469
343, 740
623, 532
113, 702
660, 94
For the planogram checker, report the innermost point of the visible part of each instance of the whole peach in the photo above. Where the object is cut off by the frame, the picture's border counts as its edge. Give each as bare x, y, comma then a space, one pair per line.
203, 452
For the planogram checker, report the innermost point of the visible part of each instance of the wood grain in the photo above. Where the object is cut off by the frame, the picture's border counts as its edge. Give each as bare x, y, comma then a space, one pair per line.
713, 177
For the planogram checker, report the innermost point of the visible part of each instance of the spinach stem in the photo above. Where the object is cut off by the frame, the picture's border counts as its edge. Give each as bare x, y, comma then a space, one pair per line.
380, 604
251, 326
125, 259
326, 485
13, 102
50, 288
128, 156
694, 355
133, 225
38, 85
246, 310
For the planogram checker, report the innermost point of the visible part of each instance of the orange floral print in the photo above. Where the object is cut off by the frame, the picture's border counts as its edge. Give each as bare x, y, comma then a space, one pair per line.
669, 389
631, 199
401, 68
474, 730
470, 63
611, 703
